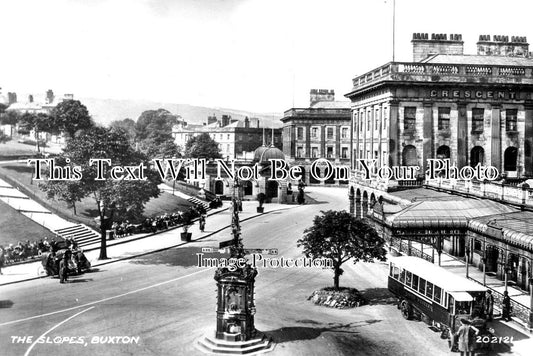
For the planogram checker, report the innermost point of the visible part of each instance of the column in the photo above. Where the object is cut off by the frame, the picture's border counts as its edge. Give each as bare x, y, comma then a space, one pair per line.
395, 154
427, 131
462, 136
496, 139
528, 140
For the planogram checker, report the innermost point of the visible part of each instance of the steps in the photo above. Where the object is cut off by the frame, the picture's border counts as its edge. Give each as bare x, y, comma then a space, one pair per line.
260, 344
82, 234
197, 201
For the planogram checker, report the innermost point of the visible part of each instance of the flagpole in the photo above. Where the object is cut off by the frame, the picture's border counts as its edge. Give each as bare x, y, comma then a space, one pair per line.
393, 28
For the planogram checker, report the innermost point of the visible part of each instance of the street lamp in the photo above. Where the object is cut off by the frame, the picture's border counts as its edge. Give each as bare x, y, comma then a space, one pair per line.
105, 224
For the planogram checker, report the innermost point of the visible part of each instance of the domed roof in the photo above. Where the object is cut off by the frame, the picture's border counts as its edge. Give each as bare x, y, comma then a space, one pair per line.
264, 154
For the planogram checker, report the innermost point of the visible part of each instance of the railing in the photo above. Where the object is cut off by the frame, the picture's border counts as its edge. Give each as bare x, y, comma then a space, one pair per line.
511, 193
390, 70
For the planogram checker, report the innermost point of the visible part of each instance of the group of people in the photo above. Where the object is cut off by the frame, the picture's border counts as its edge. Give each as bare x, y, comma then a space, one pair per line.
24, 250
153, 224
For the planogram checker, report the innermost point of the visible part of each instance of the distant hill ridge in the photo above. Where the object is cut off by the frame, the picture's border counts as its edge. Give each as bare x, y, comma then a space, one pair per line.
105, 111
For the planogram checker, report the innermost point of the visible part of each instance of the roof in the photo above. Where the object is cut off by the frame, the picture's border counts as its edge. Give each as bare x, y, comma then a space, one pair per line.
331, 105
479, 60
264, 154
439, 276
446, 213
515, 228
421, 194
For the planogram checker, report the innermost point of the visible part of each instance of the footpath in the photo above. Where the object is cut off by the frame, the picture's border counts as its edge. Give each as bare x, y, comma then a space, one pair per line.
141, 244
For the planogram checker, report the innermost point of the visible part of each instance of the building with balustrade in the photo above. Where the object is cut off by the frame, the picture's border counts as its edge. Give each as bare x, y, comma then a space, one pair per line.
473, 109
320, 131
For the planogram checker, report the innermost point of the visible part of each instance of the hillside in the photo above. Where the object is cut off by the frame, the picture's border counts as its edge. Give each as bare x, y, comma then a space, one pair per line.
106, 110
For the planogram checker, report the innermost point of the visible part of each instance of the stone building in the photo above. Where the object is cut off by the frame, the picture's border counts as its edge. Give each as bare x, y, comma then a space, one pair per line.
320, 131
235, 138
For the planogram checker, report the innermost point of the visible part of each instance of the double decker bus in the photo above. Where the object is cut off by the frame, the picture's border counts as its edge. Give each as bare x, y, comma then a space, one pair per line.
435, 295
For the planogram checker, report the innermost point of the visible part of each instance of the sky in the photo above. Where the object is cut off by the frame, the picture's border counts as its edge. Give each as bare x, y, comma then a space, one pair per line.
255, 55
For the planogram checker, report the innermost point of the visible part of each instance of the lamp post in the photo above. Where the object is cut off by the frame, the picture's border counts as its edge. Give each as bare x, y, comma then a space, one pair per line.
103, 223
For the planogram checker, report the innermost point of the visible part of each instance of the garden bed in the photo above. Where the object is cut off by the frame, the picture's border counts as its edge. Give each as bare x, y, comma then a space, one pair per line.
342, 298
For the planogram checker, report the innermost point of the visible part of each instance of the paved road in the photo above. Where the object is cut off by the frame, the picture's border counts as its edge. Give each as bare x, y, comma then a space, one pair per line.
163, 302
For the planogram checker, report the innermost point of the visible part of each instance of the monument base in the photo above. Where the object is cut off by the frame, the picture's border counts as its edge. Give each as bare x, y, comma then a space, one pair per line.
260, 343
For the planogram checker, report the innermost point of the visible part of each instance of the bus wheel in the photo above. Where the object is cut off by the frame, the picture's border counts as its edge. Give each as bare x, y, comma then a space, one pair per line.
407, 310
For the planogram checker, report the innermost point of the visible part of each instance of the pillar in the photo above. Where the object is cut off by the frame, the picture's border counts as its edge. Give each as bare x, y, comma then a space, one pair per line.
394, 144
528, 140
462, 136
496, 139
427, 132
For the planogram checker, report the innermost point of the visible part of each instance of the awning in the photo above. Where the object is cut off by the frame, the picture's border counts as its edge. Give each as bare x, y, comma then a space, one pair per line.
461, 296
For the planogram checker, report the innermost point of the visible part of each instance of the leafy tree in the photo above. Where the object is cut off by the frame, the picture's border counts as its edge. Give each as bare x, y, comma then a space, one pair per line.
153, 123
340, 236
70, 116
127, 125
120, 197
9, 117
36, 122
202, 146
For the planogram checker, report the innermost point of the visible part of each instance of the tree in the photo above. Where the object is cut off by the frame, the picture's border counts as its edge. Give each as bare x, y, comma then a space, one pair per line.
70, 116
4, 138
152, 123
202, 146
37, 122
127, 125
340, 236
121, 197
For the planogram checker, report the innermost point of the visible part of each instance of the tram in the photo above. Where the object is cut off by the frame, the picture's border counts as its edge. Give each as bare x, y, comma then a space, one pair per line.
437, 296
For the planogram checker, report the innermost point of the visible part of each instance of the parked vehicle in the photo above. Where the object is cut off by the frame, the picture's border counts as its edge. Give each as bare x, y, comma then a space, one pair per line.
439, 297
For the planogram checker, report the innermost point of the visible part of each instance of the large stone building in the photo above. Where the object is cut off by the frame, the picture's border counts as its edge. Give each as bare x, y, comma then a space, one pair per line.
236, 139
470, 109
320, 131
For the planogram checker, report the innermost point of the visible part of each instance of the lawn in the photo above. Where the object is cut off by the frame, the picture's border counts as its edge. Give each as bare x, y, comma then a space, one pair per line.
14, 149
16, 227
21, 174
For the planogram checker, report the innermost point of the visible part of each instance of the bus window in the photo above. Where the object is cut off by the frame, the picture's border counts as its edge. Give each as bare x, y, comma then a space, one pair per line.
415, 282
402, 276
422, 286
396, 273
408, 278
437, 294
429, 290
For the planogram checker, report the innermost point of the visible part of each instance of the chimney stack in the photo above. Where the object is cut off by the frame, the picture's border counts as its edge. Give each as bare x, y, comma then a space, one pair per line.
501, 46
439, 43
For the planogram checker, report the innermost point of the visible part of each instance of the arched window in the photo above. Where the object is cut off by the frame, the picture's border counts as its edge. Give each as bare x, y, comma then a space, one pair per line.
477, 155
509, 159
409, 156
219, 187
443, 152
248, 187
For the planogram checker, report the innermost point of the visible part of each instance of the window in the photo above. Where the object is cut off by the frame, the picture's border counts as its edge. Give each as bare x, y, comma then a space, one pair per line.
477, 245
408, 278
384, 119
344, 132
314, 132
314, 152
299, 133
329, 152
444, 118
422, 286
402, 276
330, 135
344, 152
361, 124
395, 272
228, 137
437, 294
299, 151
368, 123
415, 282
429, 290
510, 119
409, 118
477, 120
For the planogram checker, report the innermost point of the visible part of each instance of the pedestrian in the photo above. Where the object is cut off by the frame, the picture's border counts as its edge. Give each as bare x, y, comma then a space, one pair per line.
201, 222
63, 268
2, 258
463, 338
489, 305
506, 307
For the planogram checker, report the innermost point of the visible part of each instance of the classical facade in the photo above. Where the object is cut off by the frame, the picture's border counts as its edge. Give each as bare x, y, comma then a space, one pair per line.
320, 131
235, 138
445, 104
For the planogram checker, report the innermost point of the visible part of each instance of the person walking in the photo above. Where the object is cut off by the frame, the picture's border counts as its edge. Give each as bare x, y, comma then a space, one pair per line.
63, 268
506, 307
489, 305
201, 222
463, 338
